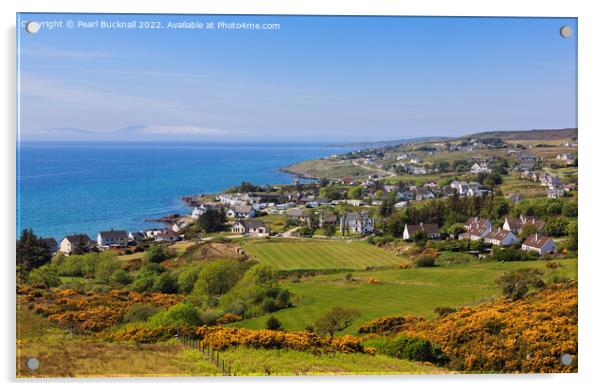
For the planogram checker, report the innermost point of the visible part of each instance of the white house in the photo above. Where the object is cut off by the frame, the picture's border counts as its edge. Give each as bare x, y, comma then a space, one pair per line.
69, 242
539, 243
200, 210
357, 223
479, 168
167, 236
476, 229
250, 227
501, 237
241, 212
182, 223
516, 225
112, 238
431, 230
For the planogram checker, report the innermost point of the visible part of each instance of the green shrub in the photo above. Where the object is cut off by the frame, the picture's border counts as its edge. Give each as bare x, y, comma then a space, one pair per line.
180, 315
121, 277
46, 275
408, 348
187, 279
217, 278
156, 253
166, 283
140, 313
144, 281
273, 324
425, 261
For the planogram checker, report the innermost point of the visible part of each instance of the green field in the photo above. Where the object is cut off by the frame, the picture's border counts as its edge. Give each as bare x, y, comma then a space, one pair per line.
247, 361
413, 291
291, 254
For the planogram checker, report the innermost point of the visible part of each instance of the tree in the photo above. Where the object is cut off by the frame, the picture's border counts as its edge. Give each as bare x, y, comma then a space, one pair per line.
212, 220
337, 319
273, 324
526, 231
355, 192
330, 230
46, 275
217, 278
80, 246
166, 283
156, 253
32, 252
515, 284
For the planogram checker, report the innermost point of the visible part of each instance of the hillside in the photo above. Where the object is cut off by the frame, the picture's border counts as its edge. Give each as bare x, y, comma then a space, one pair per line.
536, 134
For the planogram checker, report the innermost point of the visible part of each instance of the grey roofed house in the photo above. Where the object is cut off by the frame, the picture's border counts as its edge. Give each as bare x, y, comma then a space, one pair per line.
250, 226
251, 223
67, 244
296, 212
51, 243
110, 238
167, 236
78, 237
113, 234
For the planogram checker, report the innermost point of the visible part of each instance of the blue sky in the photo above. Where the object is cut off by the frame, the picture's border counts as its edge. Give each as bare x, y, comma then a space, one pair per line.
314, 79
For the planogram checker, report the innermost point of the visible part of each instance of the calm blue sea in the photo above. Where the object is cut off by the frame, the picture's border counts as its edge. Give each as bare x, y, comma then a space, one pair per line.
63, 188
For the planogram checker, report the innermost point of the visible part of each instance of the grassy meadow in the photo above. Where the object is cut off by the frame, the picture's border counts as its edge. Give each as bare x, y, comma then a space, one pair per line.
290, 254
415, 291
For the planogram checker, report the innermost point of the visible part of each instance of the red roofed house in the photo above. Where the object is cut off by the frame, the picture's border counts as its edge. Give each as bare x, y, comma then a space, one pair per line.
501, 237
539, 243
516, 225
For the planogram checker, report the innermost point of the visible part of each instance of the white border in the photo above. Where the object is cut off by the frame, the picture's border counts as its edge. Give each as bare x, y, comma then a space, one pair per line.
590, 139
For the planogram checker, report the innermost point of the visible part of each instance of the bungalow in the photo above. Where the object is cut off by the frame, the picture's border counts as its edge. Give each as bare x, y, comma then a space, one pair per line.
136, 236
479, 168
71, 242
241, 212
167, 236
540, 244
112, 238
298, 214
182, 223
250, 227
432, 230
51, 243
152, 232
328, 219
516, 225
566, 158
476, 232
357, 223
200, 210
501, 237
476, 222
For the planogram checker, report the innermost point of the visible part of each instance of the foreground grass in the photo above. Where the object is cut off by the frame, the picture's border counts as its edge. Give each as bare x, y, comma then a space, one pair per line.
414, 291
247, 361
319, 254
64, 355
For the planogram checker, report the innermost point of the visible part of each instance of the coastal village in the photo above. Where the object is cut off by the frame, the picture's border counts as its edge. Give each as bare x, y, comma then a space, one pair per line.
348, 206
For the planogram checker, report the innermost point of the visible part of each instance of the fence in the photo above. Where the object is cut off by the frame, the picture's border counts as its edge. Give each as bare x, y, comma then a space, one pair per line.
211, 354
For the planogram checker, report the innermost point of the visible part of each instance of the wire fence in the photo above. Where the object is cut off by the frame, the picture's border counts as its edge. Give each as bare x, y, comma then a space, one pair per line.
210, 354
